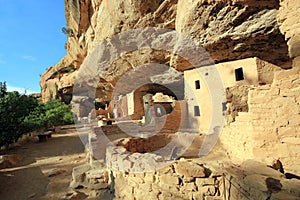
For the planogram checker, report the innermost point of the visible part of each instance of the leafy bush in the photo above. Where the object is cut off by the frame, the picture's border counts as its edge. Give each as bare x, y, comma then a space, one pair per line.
52, 113
21, 114
13, 110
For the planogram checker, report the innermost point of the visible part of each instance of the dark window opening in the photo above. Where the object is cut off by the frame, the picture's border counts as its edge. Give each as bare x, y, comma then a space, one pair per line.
224, 106
196, 111
239, 74
197, 84
206, 74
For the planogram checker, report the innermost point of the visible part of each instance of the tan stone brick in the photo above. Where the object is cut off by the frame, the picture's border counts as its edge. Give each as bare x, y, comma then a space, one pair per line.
259, 129
204, 181
132, 183
145, 187
295, 121
207, 190
149, 178
281, 122
189, 169
293, 92
288, 110
281, 150
166, 196
283, 101
197, 196
291, 140
267, 137
267, 124
259, 99
283, 74
287, 84
185, 195
188, 179
296, 80
165, 187
286, 131
188, 187
169, 179
259, 153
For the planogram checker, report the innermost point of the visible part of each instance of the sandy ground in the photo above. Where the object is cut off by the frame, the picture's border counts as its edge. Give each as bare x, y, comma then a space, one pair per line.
30, 179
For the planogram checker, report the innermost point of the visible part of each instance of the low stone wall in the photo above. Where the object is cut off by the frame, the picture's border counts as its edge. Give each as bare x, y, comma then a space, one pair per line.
182, 180
190, 180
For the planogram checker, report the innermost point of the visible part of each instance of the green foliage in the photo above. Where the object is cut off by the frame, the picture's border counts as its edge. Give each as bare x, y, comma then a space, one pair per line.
52, 113
3, 89
13, 110
70, 68
67, 31
20, 114
58, 113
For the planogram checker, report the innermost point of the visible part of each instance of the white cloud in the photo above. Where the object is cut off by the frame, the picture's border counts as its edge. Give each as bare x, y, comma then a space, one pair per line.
29, 58
21, 90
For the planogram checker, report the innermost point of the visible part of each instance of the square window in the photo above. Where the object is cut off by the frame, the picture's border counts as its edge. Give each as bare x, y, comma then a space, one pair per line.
239, 74
197, 85
196, 111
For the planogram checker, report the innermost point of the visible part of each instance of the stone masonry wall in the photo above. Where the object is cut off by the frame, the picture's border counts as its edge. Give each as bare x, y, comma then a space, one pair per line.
188, 180
270, 130
182, 180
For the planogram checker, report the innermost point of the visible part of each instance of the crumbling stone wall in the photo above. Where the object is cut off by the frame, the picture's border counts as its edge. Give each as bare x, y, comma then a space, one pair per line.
182, 180
237, 101
189, 180
270, 129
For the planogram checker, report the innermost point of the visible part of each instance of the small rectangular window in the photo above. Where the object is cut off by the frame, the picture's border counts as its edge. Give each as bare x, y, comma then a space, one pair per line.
196, 111
239, 74
197, 84
224, 106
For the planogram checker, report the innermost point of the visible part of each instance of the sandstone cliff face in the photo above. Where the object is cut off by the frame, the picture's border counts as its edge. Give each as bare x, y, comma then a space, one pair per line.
288, 19
228, 30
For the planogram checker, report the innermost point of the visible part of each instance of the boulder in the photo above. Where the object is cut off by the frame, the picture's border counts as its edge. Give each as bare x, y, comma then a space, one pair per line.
189, 169
7, 161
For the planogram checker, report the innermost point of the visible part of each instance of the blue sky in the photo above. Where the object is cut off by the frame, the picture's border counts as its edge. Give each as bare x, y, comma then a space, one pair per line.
30, 41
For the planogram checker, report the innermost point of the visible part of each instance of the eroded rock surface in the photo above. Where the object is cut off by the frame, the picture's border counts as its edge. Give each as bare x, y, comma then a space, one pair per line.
228, 30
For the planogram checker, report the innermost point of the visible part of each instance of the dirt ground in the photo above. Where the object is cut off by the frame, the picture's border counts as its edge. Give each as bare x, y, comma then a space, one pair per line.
46, 168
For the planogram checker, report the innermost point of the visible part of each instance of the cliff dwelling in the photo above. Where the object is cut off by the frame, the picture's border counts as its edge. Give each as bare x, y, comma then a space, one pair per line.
147, 106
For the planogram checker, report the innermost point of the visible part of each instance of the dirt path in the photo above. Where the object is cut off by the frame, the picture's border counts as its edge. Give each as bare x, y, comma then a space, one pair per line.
45, 172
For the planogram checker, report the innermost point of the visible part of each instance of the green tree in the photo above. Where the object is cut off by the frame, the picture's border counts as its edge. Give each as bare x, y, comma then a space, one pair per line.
52, 113
20, 114
3, 89
13, 110
58, 113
